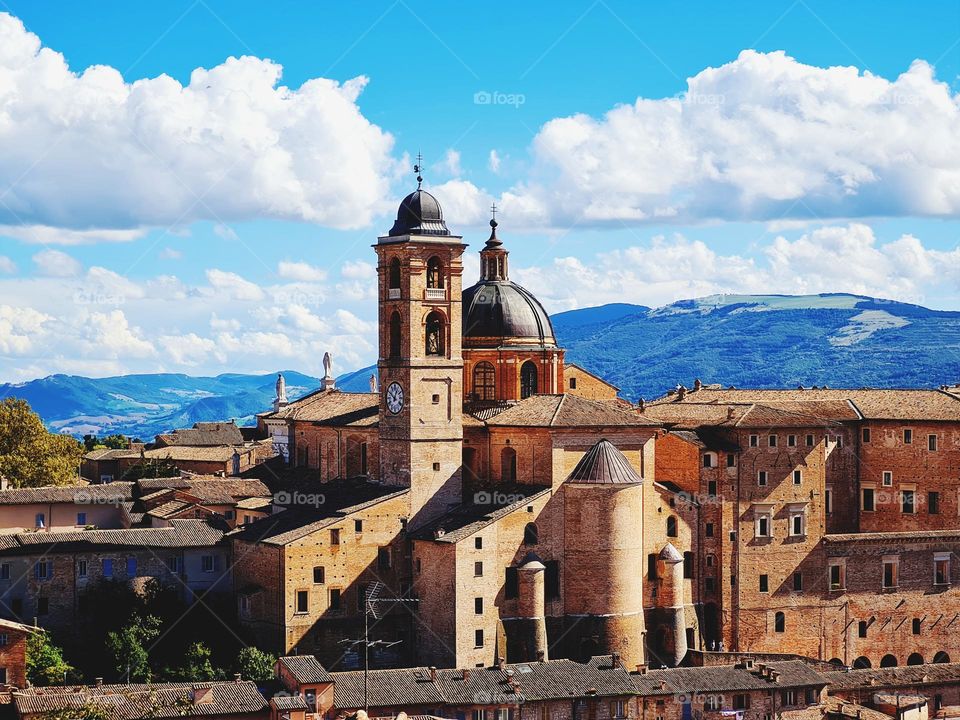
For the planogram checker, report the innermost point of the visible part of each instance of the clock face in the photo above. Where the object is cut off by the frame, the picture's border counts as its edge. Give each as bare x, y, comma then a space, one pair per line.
394, 398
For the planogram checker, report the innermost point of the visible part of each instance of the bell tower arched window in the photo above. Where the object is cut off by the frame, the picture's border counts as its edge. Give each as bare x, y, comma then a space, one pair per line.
528, 379
484, 381
434, 344
434, 273
394, 278
395, 330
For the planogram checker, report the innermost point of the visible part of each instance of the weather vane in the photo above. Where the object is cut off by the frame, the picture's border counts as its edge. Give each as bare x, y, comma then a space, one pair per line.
418, 169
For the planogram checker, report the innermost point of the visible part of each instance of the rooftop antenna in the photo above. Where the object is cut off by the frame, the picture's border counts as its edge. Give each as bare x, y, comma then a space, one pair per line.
418, 169
370, 609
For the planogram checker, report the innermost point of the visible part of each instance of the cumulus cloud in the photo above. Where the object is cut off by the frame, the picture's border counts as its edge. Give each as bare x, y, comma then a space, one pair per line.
46, 235
451, 163
300, 271
190, 349
358, 270
88, 150
19, 328
169, 253
763, 137
844, 258
233, 285
7, 265
111, 334
54, 263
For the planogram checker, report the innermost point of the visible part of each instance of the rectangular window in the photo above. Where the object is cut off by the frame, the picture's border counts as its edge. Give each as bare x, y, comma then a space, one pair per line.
4, 639
206, 563
907, 436
712, 488
788, 697
839, 440
764, 583
791, 440
107, 567
618, 709
707, 460
810, 696
828, 500
131, 567
763, 526
741, 701
81, 568
173, 564
303, 601
478, 638
81, 518
941, 569
358, 526
731, 460
891, 572
932, 443
478, 543
867, 499
551, 579
713, 702
478, 569
887, 478
798, 524
5, 571
319, 575
754, 441
933, 503
39, 520
652, 566
772, 441
335, 536
336, 599
41, 570
809, 440
383, 558
688, 565
478, 606
43, 606
866, 435
797, 581
708, 584
708, 530
761, 477
908, 501
838, 579
573, 383
797, 477
511, 588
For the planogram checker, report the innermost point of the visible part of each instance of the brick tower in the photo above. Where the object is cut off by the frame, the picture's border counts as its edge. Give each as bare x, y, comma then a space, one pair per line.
420, 365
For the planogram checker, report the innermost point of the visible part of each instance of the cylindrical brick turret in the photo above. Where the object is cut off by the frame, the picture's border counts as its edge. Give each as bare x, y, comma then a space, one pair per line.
672, 632
530, 608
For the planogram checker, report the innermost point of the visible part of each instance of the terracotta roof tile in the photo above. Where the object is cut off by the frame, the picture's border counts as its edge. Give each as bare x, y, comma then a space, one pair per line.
333, 407
568, 411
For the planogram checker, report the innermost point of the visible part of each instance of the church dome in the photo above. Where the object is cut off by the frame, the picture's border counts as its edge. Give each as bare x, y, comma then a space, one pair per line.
498, 312
419, 214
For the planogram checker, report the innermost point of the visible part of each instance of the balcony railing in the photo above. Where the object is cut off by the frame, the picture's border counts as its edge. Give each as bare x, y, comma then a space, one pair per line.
435, 294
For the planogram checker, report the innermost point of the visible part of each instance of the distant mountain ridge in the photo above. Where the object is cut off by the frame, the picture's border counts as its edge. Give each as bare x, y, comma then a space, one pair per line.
761, 341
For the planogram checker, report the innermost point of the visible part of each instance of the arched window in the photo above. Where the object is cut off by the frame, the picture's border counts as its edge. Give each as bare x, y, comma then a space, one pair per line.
941, 657
671, 526
508, 465
862, 663
779, 622
434, 337
915, 659
395, 323
434, 273
888, 661
531, 535
395, 274
528, 379
484, 381
836, 661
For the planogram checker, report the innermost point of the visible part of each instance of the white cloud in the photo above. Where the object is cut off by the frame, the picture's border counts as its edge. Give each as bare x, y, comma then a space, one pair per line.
19, 328
233, 285
493, 162
54, 263
358, 270
828, 259
7, 265
225, 231
451, 163
350, 323
89, 150
111, 334
46, 235
191, 349
300, 271
169, 253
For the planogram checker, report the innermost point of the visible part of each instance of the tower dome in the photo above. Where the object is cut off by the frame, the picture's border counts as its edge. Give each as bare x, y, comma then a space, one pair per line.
498, 312
419, 214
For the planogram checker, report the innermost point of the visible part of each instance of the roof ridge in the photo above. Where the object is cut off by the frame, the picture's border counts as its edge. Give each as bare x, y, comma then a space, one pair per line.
556, 411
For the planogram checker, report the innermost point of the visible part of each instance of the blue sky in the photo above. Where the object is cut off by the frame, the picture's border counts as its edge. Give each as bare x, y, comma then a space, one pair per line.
227, 226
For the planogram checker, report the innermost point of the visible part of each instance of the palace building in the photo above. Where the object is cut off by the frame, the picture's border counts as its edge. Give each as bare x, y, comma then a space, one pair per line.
499, 504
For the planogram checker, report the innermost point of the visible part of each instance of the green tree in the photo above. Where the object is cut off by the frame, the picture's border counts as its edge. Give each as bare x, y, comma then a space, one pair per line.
31, 456
45, 663
152, 468
114, 442
127, 648
196, 665
255, 664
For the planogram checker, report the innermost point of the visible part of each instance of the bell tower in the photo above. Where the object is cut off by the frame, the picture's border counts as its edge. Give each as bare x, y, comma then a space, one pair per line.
420, 364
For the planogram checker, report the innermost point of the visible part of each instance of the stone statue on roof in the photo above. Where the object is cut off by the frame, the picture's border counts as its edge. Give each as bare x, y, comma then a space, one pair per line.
327, 365
373, 383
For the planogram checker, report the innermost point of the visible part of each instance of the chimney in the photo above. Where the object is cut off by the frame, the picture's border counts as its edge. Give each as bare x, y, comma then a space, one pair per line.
500, 663
615, 660
4, 483
541, 656
663, 684
642, 669
433, 674
98, 682
729, 413
237, 678
641, 405
466, 673
697, 384
681, 392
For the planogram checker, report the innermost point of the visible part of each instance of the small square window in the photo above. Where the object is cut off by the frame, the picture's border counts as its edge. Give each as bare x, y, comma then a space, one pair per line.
754, 441
358, 526
436, 399
887, 478
866, 435
932, 443
478, 543
319, 575
478, 606
436, 467
809, 440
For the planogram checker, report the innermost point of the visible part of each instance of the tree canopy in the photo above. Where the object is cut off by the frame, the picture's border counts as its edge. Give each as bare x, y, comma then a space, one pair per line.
30, 455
